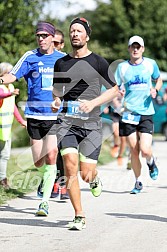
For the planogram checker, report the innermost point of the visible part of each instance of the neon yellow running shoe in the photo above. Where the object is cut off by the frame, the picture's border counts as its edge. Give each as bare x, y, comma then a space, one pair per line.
78, 223
43, 209
96, 187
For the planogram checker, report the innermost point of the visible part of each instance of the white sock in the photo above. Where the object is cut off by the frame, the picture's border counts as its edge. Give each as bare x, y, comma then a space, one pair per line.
150, 161
139, 179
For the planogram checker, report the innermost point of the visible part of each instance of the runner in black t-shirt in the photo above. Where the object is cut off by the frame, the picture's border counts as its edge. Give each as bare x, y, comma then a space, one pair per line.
78, 80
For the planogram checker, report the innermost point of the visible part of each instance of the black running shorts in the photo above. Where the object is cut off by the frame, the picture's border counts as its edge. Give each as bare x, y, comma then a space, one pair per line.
88, 142
37, 129
145, 126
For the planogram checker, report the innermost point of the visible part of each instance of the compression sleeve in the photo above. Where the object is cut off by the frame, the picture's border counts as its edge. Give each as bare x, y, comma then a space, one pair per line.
17, 115
4, 95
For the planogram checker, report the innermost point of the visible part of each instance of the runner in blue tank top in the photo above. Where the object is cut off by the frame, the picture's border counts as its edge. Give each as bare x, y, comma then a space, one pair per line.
37, 68
136, 122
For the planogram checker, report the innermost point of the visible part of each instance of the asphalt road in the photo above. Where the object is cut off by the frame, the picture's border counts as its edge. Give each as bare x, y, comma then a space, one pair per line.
116, 221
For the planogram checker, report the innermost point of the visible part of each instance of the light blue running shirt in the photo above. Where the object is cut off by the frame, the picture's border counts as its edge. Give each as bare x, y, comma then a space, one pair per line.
137, 81
37, 69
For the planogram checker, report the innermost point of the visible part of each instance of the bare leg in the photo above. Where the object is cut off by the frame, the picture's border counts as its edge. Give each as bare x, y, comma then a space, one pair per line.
44, 150
115, 149
146, 145
71, 171
121, 150
133, 141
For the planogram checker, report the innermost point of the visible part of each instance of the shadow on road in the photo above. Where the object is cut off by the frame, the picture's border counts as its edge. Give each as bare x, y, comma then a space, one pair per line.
34, 222
139, 216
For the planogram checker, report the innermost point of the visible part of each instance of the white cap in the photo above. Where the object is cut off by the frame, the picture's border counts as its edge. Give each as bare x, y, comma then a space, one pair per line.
136, 39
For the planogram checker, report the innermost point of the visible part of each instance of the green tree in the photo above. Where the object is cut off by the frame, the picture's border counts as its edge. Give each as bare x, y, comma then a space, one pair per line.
18, 18
17, 25
115, 22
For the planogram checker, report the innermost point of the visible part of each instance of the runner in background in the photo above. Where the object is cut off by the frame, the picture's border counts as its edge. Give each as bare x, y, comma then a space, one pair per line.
36, 66
59, 189
8, 110
136, 74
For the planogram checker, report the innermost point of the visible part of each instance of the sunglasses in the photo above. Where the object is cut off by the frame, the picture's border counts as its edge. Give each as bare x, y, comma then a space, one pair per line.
44, 35
57, 42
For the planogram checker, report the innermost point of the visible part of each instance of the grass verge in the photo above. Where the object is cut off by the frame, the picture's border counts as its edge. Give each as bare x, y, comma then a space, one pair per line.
23, 179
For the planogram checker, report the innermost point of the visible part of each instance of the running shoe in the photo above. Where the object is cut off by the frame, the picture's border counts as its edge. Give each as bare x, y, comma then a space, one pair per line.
63, 193
153, 170
96, 187
120, 161
55, 190
114, 151
4, 184
43, 209
129, 165
77, 224
40, 190
137, 189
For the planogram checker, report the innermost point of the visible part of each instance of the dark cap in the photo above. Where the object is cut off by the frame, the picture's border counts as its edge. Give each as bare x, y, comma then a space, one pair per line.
83, 22
47, 27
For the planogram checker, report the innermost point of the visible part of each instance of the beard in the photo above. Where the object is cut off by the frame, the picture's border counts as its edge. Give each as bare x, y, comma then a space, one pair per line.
77, 46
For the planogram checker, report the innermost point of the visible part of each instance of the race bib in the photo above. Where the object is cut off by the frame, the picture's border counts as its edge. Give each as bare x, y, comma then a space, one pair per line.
74, 111
47, 82
130, 117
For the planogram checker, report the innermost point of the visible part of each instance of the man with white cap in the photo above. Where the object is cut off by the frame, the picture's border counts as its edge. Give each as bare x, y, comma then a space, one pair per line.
136, 39
136, 74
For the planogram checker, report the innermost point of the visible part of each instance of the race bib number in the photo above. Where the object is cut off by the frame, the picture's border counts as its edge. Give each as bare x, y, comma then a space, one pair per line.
47, 82
74, 111
129, 117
